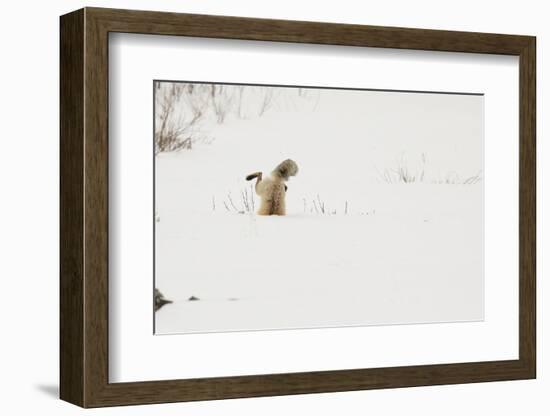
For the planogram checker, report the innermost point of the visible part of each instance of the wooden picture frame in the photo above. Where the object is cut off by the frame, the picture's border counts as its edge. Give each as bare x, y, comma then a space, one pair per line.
84, 207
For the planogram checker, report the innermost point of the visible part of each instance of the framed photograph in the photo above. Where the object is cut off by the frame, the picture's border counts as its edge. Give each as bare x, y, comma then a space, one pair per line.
255, 207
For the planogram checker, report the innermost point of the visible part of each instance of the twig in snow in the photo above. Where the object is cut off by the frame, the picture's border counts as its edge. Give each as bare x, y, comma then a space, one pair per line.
244, 196
321, 204
231, 202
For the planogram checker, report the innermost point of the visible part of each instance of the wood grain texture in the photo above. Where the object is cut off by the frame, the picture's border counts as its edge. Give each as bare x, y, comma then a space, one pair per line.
96, 208
71, 185
226, 27
84, 207
527, 208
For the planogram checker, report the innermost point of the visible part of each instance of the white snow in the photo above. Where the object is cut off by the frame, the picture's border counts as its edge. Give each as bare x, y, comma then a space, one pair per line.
381, 254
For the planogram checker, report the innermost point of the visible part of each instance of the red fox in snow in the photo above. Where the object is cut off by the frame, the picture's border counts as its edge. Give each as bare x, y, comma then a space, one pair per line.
272, 190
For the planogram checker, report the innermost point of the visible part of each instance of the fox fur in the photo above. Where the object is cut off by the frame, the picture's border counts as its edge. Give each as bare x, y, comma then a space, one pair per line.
272, 189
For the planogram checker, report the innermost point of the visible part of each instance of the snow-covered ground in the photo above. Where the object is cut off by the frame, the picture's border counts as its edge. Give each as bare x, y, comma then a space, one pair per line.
381, 253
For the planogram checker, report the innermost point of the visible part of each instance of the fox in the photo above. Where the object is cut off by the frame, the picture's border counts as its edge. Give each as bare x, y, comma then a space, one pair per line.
272, 190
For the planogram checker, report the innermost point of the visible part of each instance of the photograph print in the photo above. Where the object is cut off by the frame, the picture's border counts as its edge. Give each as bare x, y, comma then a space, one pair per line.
295, 207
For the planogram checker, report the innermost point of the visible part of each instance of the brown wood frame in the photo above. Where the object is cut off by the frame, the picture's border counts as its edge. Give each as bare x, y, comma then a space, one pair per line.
84, 207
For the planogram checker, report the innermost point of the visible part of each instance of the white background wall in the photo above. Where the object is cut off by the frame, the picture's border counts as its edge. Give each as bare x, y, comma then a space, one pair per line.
29, 207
